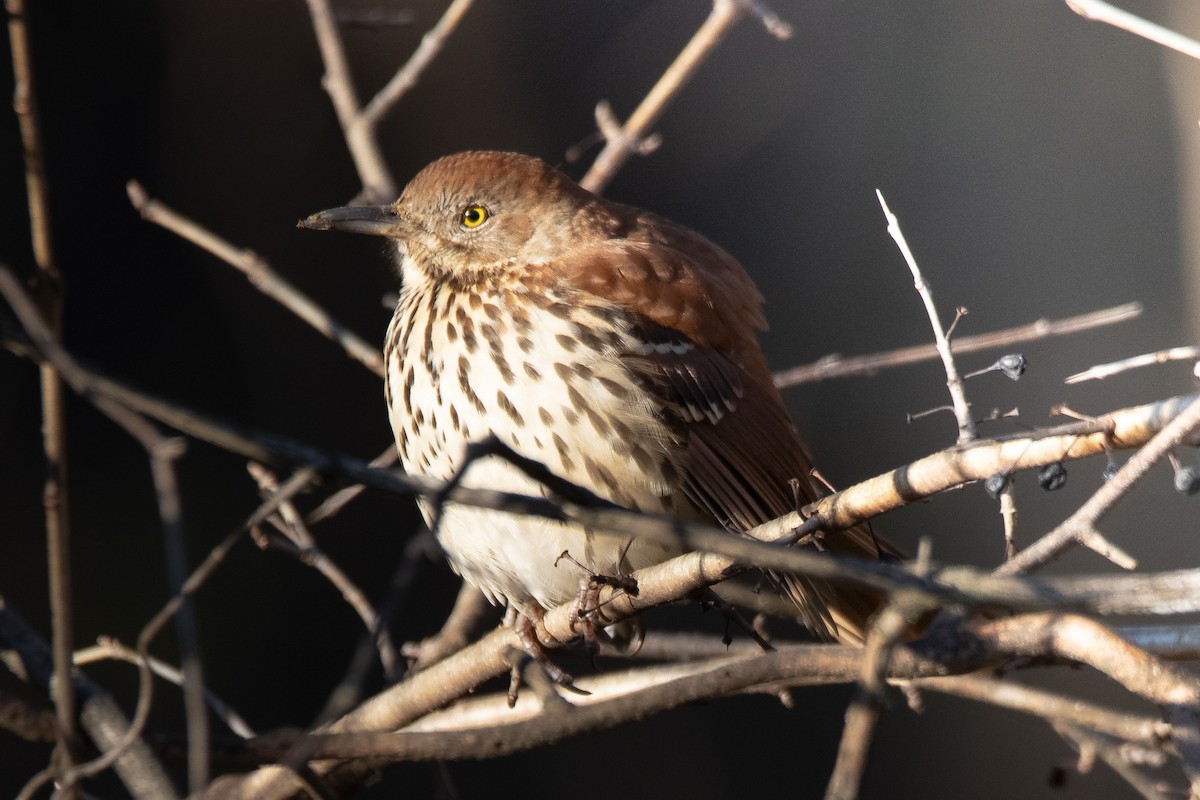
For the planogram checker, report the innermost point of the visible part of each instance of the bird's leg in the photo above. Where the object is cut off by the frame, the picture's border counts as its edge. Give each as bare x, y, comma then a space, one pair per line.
587, 602
816, 538
528, 624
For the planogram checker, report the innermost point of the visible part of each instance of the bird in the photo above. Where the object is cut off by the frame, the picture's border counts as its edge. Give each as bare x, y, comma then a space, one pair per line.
609, 344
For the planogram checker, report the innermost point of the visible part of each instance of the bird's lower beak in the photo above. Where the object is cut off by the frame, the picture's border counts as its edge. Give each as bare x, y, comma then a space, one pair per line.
373, 220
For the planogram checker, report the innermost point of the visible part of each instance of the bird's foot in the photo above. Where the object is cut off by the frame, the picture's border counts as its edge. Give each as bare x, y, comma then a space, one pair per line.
529, 629
587, 603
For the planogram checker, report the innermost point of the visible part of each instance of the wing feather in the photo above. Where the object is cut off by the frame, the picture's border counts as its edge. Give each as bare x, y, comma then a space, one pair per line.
697, 311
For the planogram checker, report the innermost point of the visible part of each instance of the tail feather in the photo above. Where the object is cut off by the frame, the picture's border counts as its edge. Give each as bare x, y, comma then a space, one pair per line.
837, 611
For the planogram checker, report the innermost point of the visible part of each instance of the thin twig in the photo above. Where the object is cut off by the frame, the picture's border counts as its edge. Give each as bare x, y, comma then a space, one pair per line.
102, 719
1102, 371
162, 452
339, 499
962, 409
1091, 745
49, 286
408, 75
867, 704
1008, 512
778, 27
1088, 642
260, 275
618, 147
374, 19
1049, 705
378, 184
1082, 523
1103, 12
292, 526
470, 606
836, 366
349, 690
110, 648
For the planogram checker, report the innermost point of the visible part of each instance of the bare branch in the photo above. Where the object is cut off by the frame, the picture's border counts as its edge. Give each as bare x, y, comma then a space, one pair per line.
1110, 752
1130, 427
99, 715
836, 366
260, 275
378, 184
1008, 512
1060, 636
1103, 12
408, 75
618, 147
469, 607
1052, 706
962, 409
1088, 642
109, 648
867, 704
338, 500
711, 680
1102, 371
162, 452
49, 288
292, 526
1081, 524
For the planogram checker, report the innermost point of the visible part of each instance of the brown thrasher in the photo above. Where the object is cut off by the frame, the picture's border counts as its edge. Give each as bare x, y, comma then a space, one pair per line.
615, 347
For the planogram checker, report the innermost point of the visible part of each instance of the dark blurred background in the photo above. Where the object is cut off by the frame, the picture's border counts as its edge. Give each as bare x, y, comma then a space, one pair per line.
1036, 162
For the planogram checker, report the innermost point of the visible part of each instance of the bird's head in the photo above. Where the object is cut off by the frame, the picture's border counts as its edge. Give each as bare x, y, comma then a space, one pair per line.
474, 216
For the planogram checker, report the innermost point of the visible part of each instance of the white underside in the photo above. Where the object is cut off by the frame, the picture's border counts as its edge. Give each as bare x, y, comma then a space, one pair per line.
516, 558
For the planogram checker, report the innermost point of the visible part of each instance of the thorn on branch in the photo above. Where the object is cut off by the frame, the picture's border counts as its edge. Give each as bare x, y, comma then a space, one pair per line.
612, 132
913, 417
576, 151
997, 414
959, 313
775, 25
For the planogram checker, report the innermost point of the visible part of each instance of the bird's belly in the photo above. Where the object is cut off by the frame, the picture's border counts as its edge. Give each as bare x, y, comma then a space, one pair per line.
520, 559
542, 393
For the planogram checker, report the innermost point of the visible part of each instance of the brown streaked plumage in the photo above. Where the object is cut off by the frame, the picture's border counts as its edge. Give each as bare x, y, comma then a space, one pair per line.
612, 345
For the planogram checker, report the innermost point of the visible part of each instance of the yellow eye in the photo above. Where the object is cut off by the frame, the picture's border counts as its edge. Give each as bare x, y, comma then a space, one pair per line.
473, 216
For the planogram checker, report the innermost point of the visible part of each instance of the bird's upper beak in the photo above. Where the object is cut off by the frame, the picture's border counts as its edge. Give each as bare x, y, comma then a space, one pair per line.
374, 220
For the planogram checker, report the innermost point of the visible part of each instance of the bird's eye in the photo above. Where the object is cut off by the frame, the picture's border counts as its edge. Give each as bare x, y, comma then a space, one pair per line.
473, 216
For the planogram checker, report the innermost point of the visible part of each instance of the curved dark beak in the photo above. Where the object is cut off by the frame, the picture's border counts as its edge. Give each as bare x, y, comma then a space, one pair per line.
373, 220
